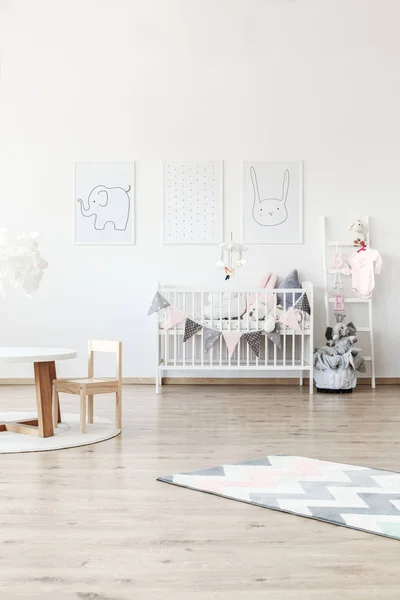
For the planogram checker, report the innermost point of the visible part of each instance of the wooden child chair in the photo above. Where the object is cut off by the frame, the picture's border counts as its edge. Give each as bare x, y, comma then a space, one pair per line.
88, 387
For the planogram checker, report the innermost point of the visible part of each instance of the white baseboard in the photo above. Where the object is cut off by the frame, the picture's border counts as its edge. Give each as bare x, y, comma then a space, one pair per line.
213, 381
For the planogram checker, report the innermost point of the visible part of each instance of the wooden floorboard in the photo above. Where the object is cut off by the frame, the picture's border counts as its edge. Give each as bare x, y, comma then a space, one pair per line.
92, 523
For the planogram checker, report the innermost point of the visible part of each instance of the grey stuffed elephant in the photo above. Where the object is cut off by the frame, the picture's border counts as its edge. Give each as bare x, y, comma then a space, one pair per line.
336, 362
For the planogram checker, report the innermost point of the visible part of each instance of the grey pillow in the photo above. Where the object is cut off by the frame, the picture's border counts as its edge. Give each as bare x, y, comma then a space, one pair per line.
290, 282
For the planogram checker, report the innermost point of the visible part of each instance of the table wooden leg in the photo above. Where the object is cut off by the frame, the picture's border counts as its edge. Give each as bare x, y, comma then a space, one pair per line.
43, 382
30, 426
53, 375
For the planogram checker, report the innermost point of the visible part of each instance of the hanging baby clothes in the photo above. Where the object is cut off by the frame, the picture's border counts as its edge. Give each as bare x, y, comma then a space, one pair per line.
364, 264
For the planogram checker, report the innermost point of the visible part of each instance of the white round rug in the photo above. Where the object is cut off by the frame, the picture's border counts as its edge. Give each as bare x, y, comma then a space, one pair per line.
66, 435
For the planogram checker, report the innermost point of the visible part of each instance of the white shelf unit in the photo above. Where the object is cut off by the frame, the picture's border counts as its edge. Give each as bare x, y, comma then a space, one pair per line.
348, 300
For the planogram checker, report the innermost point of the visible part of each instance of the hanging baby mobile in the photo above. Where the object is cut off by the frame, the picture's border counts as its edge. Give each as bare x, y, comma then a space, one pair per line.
234, 260
21, 265
291, 316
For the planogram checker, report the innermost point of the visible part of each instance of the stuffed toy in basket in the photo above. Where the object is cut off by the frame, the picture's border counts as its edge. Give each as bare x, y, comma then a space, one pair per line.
336, 363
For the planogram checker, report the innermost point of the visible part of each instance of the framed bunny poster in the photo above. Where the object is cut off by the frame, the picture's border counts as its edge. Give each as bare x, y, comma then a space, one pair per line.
104, 203
272, 202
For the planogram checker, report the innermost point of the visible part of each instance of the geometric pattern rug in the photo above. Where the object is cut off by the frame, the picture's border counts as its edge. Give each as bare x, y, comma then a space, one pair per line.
346, 495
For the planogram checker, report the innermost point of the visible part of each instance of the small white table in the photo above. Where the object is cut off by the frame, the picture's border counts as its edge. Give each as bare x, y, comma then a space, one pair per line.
43, 360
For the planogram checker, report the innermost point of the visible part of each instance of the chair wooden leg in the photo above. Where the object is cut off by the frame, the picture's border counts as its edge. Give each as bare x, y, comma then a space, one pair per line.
55, 406
119, 409
83, 409
90, 408
58, 409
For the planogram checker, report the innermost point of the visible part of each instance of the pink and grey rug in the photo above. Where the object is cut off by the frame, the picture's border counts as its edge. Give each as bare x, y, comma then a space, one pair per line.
356, 497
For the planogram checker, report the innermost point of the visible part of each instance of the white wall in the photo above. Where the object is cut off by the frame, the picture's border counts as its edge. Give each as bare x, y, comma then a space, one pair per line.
119, 80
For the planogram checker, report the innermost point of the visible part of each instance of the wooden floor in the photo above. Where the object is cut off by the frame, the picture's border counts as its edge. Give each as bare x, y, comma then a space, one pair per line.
92, 523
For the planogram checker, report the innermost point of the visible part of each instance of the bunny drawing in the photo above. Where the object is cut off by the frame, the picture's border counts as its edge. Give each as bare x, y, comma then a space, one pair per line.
270, 212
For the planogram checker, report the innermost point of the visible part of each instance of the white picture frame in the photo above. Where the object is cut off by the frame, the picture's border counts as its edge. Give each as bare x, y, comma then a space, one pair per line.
104, 203
272, 202
193, 214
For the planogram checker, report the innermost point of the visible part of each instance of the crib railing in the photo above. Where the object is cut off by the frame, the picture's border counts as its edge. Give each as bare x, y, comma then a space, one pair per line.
229, 311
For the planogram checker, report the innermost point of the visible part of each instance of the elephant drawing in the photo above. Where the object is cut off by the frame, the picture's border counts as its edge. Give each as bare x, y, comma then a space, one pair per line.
108, 205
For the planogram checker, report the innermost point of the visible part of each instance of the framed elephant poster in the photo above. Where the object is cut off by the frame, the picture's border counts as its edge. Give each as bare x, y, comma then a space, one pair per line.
104, 203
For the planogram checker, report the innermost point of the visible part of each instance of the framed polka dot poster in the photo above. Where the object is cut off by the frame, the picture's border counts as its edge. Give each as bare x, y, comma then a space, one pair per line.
193, 207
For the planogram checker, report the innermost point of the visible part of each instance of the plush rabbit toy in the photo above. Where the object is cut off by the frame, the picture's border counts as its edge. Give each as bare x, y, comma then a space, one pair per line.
361, 230
263, 309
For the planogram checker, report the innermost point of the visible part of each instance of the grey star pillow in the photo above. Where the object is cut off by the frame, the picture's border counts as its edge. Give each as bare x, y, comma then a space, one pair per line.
290, 282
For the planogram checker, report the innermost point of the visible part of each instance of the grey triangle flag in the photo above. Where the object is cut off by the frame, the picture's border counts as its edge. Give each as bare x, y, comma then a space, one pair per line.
253, 338
158, 303
191, 327
210, 337
275, 337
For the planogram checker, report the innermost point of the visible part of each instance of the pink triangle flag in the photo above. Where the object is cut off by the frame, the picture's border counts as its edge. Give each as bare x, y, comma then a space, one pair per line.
290, 319
174, 317
231, 340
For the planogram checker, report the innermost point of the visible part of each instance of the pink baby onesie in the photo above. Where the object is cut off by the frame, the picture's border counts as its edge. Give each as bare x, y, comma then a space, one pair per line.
364, 263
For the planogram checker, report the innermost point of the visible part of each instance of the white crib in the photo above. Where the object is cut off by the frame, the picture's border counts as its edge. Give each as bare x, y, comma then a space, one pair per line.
219, 310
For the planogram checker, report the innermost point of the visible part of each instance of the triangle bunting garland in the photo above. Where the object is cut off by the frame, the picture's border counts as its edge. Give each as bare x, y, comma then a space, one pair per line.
191, 327
275, 337
303, 304
174, 317
290, 320
210, 337
157, 303
253, 338
231, 340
